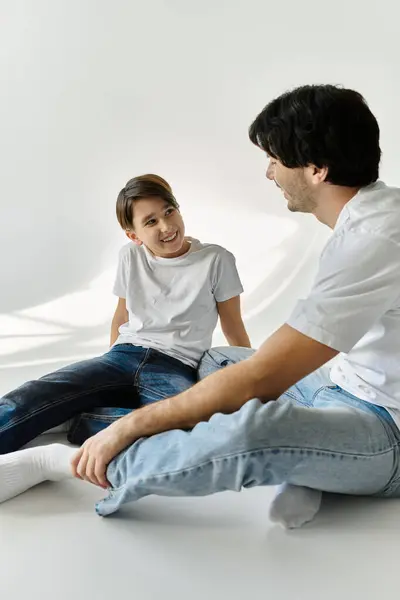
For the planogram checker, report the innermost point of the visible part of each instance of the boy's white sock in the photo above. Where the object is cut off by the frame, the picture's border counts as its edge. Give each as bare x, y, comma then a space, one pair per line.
293, 506
21, 470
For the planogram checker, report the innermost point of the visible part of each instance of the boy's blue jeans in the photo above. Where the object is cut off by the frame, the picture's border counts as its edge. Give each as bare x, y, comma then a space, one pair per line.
94, 392
315, 435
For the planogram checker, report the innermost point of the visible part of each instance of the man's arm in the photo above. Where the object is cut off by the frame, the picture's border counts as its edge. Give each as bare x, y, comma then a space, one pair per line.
285, 358
232, 324
120, 317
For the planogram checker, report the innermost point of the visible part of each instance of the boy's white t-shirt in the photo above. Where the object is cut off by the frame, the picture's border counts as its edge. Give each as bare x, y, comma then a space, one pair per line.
354, 305
172, 302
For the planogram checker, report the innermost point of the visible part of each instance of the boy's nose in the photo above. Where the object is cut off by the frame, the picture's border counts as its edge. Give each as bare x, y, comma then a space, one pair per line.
163, 226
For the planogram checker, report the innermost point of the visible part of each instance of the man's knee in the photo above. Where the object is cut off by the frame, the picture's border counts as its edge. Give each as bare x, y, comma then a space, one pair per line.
222, 356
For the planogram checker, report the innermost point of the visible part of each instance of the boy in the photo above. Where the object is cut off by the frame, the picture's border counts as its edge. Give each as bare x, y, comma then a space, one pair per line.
171, 289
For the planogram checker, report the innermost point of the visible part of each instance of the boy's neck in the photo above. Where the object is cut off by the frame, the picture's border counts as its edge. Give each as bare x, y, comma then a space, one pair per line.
184, 250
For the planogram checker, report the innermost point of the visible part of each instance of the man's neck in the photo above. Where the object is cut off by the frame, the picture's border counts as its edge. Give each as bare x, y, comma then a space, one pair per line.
332, 200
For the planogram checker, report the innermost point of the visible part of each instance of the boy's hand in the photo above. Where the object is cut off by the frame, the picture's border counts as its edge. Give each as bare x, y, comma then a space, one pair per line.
91, 460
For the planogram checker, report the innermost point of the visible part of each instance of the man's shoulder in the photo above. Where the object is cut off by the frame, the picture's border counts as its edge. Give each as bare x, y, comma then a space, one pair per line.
373, 214
377, 213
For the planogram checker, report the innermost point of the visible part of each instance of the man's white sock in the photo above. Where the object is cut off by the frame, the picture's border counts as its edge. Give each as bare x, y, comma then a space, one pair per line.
21, 470
293, 506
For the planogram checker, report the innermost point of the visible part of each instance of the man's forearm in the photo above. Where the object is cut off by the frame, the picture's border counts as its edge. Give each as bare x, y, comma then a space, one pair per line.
224, 391
285, 358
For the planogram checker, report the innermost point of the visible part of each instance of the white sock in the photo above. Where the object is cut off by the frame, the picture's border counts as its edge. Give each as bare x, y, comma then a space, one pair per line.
21, 470
293, 506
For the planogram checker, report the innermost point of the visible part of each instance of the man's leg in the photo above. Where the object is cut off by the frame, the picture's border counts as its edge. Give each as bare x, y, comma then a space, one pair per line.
293, 506
218, 358
158, 376
51, 400
314, 436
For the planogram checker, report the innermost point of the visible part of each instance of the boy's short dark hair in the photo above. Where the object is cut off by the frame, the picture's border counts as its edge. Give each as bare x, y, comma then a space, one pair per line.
322, 125
144, 186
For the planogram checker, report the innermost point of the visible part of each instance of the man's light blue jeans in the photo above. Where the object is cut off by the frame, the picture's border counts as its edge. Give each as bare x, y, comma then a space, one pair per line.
315, 435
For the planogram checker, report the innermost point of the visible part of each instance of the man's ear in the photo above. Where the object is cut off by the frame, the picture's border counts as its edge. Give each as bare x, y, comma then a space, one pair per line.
317, 175
133, 237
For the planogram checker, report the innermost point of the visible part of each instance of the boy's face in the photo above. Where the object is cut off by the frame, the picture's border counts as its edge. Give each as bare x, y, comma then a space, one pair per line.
159, 226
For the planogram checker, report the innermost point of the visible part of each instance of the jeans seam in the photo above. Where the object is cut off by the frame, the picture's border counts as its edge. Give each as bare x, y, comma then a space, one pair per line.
302, 450
211, 361
147, 389
36, 412
393, 483
296, 399
98, 417
140, 367
321, 389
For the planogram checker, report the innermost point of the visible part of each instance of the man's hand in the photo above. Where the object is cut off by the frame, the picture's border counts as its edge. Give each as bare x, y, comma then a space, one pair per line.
91, 461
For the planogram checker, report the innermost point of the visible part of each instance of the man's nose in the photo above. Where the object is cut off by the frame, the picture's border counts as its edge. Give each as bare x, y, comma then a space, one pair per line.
270, 174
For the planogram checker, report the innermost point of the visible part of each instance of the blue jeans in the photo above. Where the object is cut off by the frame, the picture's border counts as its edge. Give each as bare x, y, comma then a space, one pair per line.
315, 435
94, 392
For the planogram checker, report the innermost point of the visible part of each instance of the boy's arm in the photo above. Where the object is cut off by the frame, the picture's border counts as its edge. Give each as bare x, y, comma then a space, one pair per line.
232, 324
121, 316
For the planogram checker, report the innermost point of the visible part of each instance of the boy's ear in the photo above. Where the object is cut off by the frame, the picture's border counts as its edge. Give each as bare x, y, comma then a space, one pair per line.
133, 237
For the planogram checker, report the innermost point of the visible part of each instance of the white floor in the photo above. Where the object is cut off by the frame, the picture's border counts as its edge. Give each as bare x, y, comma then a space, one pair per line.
53, 545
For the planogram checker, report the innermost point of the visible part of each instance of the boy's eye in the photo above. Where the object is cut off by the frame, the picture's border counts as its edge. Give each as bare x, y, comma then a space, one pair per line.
151, 222
169, 211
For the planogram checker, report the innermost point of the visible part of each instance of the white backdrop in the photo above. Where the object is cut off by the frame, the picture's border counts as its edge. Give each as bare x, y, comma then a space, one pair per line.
94, 92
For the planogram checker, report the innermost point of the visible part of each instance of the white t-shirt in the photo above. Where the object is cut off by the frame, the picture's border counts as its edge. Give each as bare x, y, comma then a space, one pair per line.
172, 302
354, 305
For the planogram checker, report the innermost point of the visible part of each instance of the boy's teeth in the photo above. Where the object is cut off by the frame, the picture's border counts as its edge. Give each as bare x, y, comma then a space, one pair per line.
170, 238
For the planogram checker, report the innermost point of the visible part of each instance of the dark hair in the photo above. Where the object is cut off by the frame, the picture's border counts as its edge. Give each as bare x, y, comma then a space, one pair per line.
322, 125
144, 186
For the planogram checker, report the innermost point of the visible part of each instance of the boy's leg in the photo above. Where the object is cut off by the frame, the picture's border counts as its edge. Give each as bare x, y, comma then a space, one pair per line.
154, 376
42, 404
93, 420
161, 376
315, 436
158, 376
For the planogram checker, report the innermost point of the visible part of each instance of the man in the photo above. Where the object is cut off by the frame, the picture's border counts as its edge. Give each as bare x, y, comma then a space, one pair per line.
275, 417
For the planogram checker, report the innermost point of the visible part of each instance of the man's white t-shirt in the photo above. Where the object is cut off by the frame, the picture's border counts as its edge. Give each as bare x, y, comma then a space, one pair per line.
172, 302
354, 305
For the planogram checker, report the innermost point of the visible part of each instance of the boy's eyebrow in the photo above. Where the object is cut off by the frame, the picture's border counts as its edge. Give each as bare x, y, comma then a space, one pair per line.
148, 217
152, 215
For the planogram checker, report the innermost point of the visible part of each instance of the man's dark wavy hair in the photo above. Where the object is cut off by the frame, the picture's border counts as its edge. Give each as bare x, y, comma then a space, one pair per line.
322, 125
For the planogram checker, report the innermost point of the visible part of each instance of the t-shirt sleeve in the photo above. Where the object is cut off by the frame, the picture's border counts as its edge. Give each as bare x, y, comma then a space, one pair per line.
121, 278
226, 284
357, 282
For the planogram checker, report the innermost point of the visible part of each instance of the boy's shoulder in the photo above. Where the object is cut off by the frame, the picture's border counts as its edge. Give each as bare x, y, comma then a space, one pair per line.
130, 249
208, 247
131, 254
